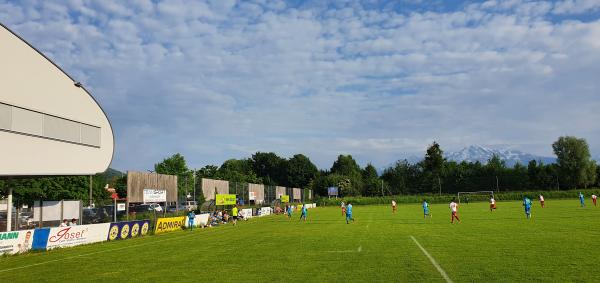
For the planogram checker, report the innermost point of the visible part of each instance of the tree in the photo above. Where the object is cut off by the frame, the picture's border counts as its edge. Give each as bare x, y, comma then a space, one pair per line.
434, 160
433, 165
575, 167
346, 167
270, 167
300, 171
372, 183
175, 165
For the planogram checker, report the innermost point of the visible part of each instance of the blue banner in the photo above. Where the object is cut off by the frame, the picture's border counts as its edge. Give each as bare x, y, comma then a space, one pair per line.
128, 229
40, 239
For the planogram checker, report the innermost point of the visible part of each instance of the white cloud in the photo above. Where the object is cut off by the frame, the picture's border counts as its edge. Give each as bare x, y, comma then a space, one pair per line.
221, 79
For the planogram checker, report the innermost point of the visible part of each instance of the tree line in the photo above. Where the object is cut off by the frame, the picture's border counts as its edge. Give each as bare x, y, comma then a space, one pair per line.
574, 169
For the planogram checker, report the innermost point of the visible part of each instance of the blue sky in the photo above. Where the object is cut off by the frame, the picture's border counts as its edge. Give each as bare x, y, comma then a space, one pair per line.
379, 80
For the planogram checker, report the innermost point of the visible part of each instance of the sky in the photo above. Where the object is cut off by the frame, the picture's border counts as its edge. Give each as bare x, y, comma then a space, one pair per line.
379, 80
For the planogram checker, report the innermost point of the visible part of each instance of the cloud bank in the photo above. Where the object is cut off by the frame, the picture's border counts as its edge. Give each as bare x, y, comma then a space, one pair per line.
222, 79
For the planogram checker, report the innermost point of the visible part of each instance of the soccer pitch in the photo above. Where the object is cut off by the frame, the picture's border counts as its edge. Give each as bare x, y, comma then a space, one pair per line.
560, 243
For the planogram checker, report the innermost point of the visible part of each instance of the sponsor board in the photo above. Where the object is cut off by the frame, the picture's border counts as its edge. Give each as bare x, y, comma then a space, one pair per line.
59, 237
128, 229
246, 213
16, 241
251, 195
121, 207
169, 224
199, 220
285, 198
225, 199
264, 211
155, 195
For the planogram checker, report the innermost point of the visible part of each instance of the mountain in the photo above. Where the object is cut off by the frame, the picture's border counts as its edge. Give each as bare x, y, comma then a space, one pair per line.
483, 154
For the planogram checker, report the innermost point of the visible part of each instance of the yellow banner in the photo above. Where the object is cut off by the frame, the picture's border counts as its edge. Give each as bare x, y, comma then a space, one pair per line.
224, 199
285, 198
169, 224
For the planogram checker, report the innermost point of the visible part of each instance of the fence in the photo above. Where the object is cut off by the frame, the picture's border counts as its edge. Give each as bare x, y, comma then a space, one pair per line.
248, 193
68, 236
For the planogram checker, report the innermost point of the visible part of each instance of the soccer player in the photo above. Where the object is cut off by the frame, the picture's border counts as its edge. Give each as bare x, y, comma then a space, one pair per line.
343, 209
289, 211
492, 203
191, 215
542, 201
527, 205
426, 210
594, 197
349, 213
454, 210
581, 199
304, 210
393, 206
234, 214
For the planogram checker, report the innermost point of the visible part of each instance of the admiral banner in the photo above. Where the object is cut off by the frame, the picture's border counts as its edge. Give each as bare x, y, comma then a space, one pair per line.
69, 236
285, 198
225, 199
128, 229
16, 242
169, 224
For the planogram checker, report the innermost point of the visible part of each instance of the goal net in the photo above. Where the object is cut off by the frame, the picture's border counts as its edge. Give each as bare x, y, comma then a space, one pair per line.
478, 195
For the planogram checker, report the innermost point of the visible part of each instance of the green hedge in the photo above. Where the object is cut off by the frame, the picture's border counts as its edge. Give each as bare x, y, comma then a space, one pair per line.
445, 198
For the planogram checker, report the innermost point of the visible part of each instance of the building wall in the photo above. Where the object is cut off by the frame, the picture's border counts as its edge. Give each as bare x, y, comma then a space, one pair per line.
209, 185
48, 126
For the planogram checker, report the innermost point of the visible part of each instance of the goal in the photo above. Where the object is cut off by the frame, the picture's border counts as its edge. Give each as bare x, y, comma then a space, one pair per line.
467, 194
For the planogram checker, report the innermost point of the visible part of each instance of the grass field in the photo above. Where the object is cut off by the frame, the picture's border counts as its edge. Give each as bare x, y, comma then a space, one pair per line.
560, 243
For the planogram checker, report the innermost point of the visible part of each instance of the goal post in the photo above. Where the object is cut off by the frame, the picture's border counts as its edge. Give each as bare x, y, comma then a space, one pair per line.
489, 193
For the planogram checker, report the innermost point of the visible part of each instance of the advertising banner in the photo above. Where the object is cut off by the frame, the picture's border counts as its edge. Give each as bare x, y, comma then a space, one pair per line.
16, 242
246, 213
252, 195
169, 224
154, 195
264, 211
225, 199
70, 236
128, 229
332, 191
285, 198
121, 207
199, 220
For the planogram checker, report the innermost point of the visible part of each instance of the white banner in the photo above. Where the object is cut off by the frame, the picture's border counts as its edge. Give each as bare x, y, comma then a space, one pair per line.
15, 242
199, 220
246, 213
252, 195
55, 210
264, 211
153, 195
77, 235
121, 207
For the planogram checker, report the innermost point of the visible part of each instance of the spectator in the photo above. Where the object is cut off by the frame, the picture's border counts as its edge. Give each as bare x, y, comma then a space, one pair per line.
73, 222
65, 223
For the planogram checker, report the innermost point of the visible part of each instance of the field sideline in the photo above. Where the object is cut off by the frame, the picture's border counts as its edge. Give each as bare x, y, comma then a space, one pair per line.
560, 243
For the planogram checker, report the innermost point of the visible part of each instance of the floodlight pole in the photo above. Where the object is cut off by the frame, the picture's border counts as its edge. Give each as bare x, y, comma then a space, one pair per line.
90, 203
194, 176
9, 208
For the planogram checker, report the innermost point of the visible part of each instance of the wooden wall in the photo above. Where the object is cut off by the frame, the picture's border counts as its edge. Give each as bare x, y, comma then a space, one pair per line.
138, 181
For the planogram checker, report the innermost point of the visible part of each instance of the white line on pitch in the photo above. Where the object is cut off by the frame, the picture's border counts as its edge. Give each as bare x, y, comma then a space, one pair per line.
437, 266
346, 251
93, 253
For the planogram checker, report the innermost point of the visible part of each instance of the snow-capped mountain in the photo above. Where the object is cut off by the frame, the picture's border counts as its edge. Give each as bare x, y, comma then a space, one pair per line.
483, 154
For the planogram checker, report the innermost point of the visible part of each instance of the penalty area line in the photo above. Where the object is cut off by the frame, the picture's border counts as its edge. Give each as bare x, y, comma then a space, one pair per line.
435, 264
